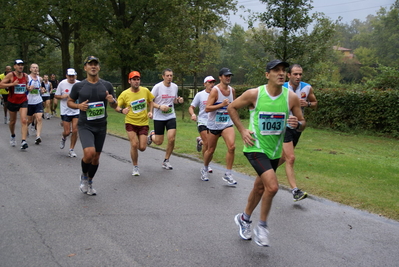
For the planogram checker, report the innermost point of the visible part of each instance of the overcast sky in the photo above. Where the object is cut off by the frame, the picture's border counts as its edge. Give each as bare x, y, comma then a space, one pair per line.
347, 9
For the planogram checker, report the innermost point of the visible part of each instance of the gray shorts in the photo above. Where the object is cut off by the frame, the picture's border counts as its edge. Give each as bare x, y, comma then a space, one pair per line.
92, 136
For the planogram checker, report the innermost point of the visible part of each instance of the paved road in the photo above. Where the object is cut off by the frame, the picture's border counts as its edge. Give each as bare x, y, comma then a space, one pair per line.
164, 218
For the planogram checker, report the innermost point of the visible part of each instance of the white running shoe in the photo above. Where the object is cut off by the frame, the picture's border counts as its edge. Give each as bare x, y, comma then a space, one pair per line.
166, 165
90, 190
84, 184
261, 236
136, 171
245, 227
204, 174
72, 154
12, 141
62, 143
229, 179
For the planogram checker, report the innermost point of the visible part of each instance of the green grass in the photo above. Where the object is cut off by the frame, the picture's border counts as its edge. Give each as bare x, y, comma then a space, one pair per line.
356, 170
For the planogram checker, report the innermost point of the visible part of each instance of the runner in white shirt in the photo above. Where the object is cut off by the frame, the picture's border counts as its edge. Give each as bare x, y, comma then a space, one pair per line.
69, 116
202, 119
164, 115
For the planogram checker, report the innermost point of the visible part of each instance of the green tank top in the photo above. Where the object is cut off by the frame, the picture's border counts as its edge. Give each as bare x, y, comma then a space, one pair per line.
268, 121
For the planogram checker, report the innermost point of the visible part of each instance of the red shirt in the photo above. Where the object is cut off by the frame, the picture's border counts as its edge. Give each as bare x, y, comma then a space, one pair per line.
17, 93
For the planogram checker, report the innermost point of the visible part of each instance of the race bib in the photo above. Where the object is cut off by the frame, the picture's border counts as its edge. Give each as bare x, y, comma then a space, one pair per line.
19, 89
222, 117
34, 92
138, 105
170, 110
271, 123
95, 111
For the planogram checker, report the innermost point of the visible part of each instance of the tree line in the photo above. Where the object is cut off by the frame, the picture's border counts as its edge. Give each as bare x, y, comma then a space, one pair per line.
194, 38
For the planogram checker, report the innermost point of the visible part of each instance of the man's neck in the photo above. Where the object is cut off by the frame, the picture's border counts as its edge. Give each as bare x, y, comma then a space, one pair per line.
92, 79
274, 90
223, 86
294, 87
134, 90
33, 75
167, 84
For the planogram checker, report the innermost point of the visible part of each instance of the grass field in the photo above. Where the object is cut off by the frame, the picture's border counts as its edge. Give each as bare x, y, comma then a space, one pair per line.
356, 170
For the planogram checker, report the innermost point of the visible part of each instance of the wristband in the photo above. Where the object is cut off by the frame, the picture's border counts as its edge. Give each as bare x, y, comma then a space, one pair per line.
309, 104
121, 111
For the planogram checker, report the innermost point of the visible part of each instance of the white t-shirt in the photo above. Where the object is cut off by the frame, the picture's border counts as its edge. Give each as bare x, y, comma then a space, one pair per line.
200, 101
164, 96
64, 87
34, 96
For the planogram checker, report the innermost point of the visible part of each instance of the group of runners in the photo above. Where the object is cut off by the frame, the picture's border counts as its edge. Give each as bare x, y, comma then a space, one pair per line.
275, 124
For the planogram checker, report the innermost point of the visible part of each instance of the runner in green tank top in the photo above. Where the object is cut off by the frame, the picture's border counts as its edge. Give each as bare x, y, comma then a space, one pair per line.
269, 107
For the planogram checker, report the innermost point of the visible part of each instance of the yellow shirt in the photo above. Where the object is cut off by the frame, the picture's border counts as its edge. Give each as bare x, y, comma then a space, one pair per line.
138, 104
2, 90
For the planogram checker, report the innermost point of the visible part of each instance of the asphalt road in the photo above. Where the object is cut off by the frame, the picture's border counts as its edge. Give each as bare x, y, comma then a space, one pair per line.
164, 217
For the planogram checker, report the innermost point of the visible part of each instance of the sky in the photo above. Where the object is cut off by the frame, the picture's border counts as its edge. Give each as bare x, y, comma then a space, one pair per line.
347, 9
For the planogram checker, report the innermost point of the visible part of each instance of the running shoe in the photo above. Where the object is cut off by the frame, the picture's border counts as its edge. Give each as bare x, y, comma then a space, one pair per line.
298, 194
24, 145
62, 143
72, 154
204, 174
166, 165
32, 129
199, 144
12, 141
245, 227
229, 179
38, 140
210, 170
90, 190
136, 171
84, 184
261, 236
5, 120
149, 137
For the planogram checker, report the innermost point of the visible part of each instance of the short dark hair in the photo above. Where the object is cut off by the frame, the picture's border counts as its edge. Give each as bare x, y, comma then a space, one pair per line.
293, 66
165, 70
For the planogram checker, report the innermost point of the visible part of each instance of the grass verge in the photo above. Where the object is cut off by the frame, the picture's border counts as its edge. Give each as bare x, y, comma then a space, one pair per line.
355, 170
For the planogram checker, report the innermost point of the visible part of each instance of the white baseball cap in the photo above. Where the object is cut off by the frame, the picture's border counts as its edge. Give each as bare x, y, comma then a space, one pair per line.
209, 79
71, 72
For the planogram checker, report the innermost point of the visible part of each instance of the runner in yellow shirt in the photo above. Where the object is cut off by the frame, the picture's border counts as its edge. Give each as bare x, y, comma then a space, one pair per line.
135, 102
4, 93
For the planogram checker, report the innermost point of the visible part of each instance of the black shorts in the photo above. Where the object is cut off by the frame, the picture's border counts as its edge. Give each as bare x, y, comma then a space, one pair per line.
202, 128
260, 162
5, 98
33, 109
52, 96
159, 126
68, 118
219, 132
45, 98
292, 135
92, 136
15, 107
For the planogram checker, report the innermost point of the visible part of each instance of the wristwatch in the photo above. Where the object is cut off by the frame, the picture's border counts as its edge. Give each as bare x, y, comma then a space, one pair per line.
309, 104
299, 125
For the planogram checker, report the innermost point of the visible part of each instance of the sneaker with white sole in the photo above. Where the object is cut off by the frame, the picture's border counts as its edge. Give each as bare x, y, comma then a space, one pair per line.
210, 170
166, 165
245, 227
261, 236
84, 184
149, 137
62, 143
24, 145
12, 141
204, 174
298, 194
90, 190
72, 154
38, 140
32, 129
229, 179
136, 171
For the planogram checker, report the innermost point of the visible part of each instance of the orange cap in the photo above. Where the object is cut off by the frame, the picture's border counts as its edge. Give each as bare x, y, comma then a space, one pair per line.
134, 74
